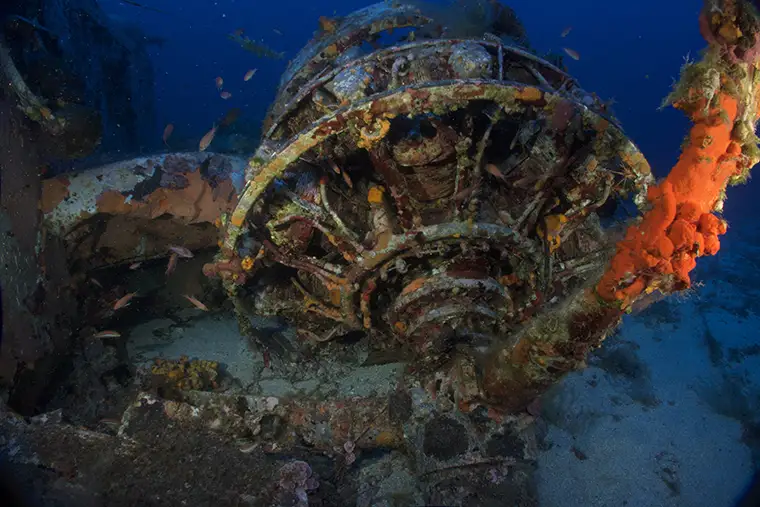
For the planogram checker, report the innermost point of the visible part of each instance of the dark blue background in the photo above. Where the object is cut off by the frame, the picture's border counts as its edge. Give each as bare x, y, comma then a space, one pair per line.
630, 52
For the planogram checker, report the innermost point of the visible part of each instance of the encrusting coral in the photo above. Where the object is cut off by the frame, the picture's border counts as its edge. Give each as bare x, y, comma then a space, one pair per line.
185, 374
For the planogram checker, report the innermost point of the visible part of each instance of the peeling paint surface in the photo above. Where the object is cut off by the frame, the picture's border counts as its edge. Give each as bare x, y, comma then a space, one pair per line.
64, 211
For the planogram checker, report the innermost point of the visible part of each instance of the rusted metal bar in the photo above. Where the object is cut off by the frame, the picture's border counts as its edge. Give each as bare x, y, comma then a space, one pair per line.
351, 237
32, 106
316, 267
476, 176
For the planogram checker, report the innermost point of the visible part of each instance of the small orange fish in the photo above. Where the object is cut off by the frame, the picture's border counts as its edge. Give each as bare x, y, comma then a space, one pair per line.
327, 25
225, 95
135, 266
506, 218
566, 31
335, 167
181, 251
219, 83
464, 193
172, 265
107, 334
572, 53
231, 117
168, 132
206, 140
196, 303
124, 301
249, 74
347, 179
495, 171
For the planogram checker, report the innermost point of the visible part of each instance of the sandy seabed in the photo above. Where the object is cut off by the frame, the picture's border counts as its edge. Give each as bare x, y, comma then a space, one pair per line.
668, 412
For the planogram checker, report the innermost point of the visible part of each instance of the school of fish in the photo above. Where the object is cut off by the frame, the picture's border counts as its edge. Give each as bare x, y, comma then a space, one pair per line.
176, 252
231, 116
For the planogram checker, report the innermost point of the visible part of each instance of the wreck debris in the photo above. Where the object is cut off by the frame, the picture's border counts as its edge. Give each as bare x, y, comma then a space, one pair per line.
233, 434
254, 47
76, 129
144, 461
297, 479
345, 35
32, 106
477, 172
136, 209
20, 259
